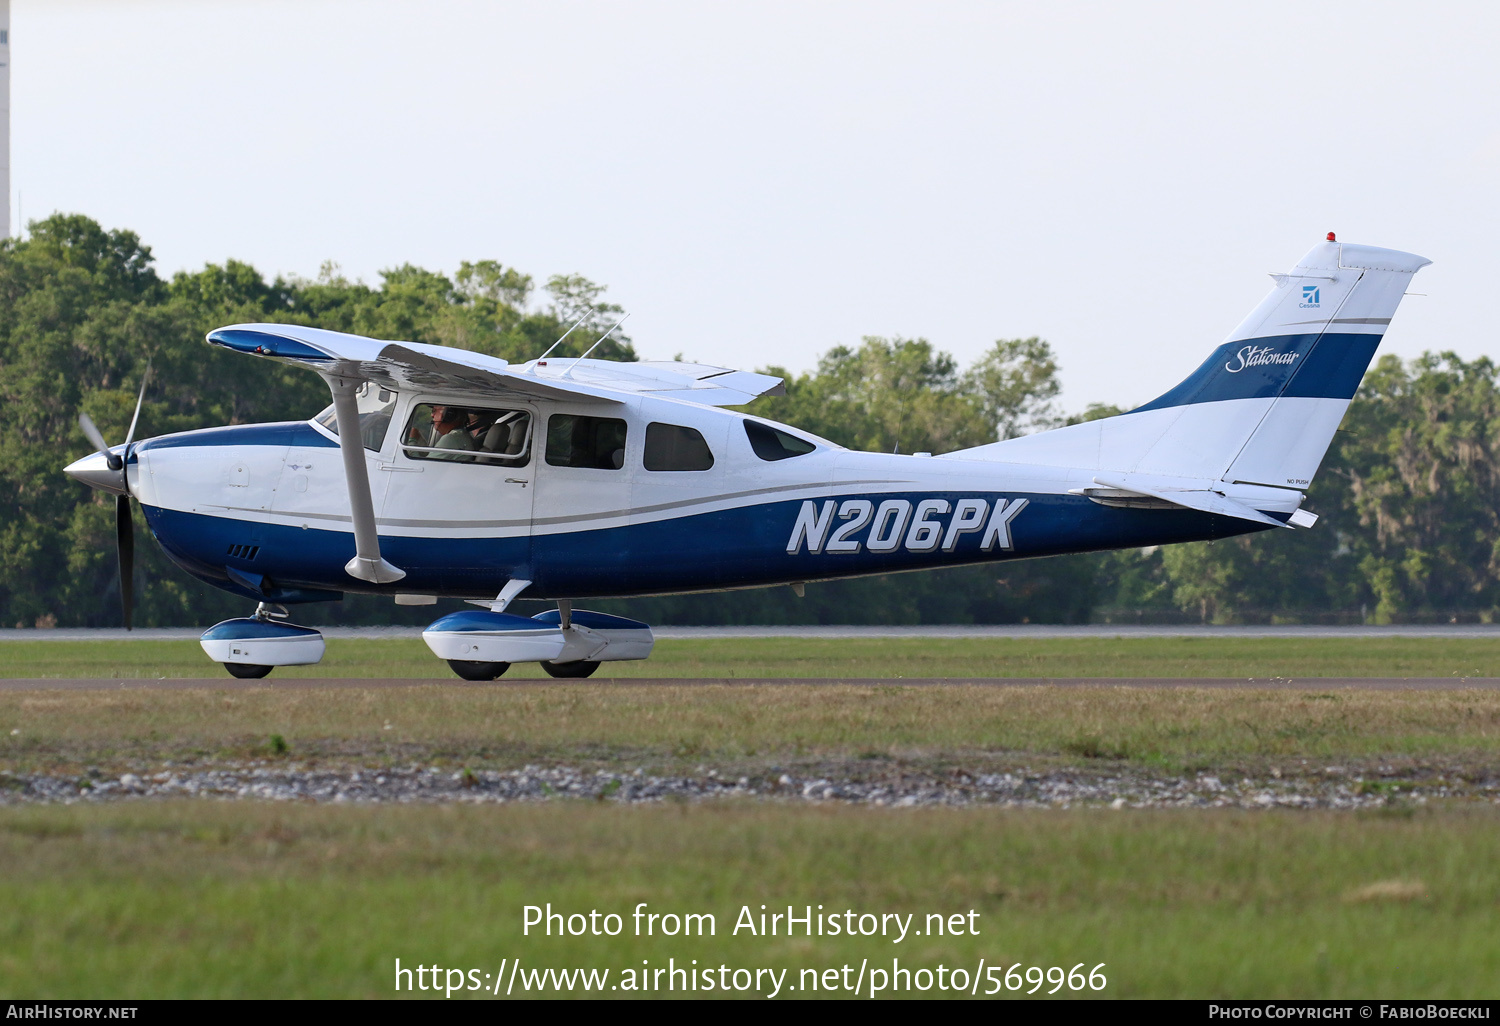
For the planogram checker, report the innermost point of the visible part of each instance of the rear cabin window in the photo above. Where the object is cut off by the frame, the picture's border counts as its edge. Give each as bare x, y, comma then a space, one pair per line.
771, 445
671, 447
468, 434
376, 407
575, 441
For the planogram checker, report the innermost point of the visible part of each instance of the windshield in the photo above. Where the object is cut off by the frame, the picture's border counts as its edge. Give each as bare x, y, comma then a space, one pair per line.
376, 405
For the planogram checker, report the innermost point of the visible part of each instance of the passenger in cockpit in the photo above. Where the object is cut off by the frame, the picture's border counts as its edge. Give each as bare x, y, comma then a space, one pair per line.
449, 425
478, 426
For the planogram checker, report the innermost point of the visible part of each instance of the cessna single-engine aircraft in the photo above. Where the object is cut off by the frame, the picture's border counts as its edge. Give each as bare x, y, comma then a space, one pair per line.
441, 472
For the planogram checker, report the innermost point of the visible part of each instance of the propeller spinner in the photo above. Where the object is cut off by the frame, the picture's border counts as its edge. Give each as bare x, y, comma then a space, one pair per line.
111, 477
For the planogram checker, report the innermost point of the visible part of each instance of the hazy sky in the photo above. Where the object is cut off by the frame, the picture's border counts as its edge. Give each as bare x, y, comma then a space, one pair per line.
757, 182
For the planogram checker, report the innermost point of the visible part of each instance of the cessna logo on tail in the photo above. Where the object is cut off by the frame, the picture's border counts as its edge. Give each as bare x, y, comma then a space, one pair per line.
900, 523
1256, 356
1309, 297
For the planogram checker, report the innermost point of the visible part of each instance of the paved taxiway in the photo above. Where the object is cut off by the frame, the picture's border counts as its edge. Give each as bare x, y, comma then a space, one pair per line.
308, 683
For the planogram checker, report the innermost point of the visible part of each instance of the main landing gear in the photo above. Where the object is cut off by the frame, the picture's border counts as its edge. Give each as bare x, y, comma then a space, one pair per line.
578, 668
569, 644
470, 670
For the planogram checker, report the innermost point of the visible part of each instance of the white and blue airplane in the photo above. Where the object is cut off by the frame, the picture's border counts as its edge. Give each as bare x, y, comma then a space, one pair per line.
441, 472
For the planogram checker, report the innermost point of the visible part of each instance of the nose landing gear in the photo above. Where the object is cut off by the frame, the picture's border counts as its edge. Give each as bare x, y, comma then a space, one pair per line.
470, 670
251, 646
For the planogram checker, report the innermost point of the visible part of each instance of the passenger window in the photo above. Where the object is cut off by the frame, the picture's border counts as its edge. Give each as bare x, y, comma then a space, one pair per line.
771, 445
376, 407
574, 441
468, 434
670, 447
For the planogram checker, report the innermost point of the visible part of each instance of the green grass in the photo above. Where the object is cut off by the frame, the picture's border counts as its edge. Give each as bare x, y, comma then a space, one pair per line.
217, 899
750, 726
228, 900
831, 658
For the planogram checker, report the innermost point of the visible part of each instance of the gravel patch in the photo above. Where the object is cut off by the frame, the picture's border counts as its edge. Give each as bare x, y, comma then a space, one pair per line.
1331, 789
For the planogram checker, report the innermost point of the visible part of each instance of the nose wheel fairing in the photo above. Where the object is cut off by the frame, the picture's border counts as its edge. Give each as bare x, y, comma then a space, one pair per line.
250, 646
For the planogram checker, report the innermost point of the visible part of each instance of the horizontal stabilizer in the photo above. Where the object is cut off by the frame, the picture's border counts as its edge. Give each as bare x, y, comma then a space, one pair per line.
1204, 498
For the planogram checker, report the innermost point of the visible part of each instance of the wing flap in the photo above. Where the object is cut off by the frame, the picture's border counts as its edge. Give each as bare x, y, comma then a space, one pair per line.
669, 379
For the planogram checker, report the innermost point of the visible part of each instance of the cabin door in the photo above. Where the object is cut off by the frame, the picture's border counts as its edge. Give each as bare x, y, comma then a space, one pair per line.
459, 496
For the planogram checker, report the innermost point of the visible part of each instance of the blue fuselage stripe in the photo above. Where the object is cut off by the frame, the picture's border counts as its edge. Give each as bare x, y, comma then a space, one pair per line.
741, 547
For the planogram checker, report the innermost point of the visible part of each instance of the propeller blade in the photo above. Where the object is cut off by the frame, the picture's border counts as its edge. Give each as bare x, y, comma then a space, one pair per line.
130, 435
125, 542
97, 440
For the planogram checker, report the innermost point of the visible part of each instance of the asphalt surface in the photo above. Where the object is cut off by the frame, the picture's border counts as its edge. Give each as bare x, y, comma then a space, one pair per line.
227, 683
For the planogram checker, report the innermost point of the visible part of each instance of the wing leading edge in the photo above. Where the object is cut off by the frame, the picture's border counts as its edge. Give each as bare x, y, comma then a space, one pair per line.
398, 364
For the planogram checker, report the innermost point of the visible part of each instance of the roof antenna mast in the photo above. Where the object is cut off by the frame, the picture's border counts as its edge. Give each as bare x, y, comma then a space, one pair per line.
591, 348
565, 334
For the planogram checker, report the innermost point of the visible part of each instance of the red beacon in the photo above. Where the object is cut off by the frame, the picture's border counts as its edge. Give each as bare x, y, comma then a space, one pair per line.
1331, 238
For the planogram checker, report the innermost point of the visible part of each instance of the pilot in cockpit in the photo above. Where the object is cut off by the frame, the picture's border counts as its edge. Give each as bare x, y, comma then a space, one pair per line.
450, 431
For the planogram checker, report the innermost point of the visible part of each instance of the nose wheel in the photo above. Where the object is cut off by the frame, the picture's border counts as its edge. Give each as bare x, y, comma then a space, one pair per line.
469, 670
247, 671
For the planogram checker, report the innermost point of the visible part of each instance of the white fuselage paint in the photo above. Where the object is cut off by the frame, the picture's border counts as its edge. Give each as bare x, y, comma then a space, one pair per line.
303, 486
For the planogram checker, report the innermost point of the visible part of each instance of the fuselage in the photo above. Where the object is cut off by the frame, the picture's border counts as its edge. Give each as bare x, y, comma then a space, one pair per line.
576, 508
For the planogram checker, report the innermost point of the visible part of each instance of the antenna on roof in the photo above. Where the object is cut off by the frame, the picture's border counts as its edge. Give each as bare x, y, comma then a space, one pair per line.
591, 348
565, 334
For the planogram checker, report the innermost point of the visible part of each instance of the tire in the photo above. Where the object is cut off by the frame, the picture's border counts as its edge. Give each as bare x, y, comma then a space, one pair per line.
469, 670
580, 668
247, 671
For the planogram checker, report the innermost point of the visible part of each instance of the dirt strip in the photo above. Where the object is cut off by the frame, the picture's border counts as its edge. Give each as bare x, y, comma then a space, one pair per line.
304, 683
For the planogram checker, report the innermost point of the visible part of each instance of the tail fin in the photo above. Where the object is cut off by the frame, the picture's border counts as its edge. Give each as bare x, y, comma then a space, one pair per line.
1262, 409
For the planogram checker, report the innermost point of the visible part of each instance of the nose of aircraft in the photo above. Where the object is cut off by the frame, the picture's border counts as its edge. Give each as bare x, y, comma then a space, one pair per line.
94, 471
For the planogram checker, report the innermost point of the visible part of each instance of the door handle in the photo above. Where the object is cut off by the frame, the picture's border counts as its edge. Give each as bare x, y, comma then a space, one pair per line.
517, 480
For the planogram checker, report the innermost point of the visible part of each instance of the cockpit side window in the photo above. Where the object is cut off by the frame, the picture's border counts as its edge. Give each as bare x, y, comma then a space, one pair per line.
376, 407
578, 441
771, 444
468, 434
671, 447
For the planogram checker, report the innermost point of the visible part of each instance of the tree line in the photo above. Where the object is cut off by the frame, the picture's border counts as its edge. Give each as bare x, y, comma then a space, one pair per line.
1409, 494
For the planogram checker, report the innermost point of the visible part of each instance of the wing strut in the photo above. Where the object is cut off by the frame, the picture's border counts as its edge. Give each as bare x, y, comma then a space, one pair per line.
367, 564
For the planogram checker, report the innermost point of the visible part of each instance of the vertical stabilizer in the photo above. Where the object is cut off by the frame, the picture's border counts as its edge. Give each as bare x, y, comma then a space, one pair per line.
1365, 285
1262, 409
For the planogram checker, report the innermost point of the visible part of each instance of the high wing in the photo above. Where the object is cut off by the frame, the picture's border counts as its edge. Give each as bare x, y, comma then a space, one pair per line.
397, 364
